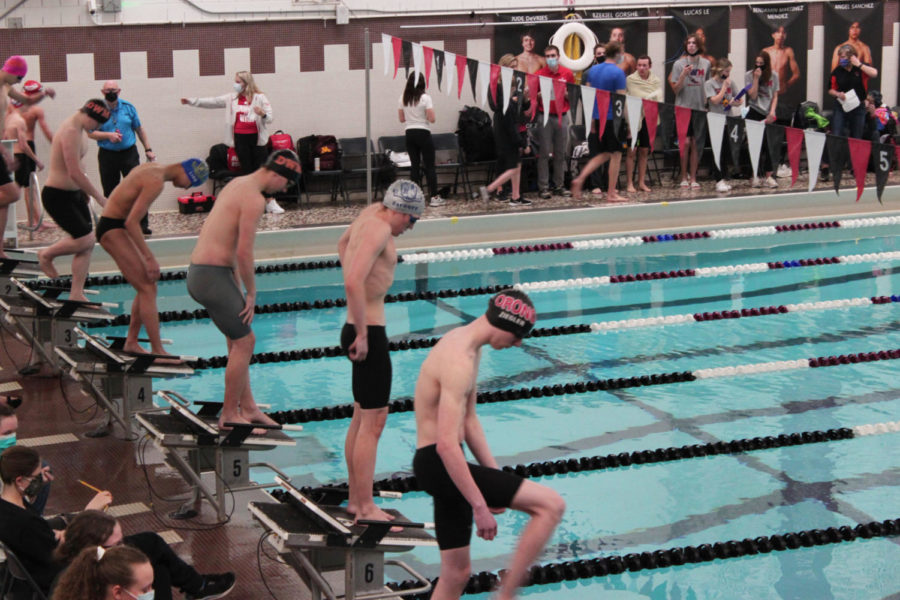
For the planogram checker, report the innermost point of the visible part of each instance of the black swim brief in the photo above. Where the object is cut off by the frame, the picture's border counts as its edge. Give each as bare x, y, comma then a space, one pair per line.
106, 224
4, 172
372, 376
69, 208
26, 167
452, 512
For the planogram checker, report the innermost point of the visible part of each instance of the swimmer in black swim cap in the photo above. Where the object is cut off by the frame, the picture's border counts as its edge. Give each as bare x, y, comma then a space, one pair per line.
511, 310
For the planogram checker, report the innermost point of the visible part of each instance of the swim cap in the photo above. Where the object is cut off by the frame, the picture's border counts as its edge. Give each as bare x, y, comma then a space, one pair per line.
196, 170
16, 65
511, 310
15, 103
285, 163
406, 197
97, 109
33, 87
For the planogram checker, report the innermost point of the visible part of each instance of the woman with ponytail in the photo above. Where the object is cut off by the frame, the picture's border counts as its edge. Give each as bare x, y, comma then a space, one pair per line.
120, 573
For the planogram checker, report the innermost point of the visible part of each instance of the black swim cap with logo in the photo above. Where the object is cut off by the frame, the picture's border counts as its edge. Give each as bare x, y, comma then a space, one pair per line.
285, 163
511, 310
97, 109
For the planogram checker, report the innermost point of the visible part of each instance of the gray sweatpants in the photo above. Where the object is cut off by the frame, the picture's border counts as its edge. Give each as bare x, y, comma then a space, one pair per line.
553, 139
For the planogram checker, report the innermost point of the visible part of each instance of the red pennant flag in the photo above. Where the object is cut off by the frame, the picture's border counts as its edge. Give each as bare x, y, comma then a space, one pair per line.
495, 75
682, 122
897, 152
794, 145
559, 92
429, 57
859, 158
397, 44
461, 62
531, 82
602, 111
651, 115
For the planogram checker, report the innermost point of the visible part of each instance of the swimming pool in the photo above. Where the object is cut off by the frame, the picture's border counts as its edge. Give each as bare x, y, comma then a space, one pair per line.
647, 507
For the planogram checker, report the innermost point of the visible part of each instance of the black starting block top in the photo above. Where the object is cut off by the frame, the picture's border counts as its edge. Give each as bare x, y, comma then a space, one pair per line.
19, 265
183, 428
98, 358
32, 303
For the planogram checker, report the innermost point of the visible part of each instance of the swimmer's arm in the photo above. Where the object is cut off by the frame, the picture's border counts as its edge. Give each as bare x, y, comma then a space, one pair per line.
42, 121
71, 148
374, 240
249, 217
140, 207
475, 438
26, 99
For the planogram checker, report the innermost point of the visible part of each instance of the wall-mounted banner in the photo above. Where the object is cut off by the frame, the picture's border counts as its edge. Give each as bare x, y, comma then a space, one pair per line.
858, 24
781, 32
510, 39
702, 22
619, 25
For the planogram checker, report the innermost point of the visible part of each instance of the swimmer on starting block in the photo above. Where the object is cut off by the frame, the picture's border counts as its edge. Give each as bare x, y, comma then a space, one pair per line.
445, 418
119, 232
222, 261
368, 258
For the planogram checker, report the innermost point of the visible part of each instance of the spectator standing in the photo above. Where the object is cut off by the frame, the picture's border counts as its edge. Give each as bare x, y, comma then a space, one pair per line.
720, 94
689, 74
117, 139
851, 74
554, 136
641, 84
762, 101
247, 116
416, 110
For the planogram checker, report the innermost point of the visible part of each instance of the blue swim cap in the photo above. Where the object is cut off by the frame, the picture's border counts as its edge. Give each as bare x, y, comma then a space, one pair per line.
196, 170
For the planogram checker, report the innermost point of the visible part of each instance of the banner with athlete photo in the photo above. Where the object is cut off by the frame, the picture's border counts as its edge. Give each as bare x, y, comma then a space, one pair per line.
859, 24
626, 26
508, 39
700, 21
780, 31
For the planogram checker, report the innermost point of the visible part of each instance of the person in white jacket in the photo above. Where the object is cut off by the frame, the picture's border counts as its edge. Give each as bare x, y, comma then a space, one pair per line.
247, 113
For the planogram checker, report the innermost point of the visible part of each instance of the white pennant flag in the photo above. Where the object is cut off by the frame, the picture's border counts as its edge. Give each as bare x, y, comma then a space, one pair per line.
418, 61
634, 106
716, 124
449, 71
755, 131
484, 80
387, 50
588, 105
815, 145
506, 75
546, 95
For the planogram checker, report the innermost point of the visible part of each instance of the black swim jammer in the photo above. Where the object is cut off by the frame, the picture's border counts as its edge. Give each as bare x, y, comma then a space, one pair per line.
452, 512
107, 224
26, 167
69, 208
214, 287
372, 376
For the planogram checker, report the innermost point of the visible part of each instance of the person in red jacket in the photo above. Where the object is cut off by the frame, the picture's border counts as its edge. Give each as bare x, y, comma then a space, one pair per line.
554, 136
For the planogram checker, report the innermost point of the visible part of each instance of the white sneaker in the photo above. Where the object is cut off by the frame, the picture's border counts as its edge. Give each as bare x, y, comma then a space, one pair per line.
770, 182
685, 183
485, 194
273, 207
783, 171
722, 186
755, 182
437, 201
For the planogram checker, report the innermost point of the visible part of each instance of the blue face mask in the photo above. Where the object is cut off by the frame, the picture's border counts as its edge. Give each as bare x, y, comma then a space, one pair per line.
844, 62
7, 441
552, 62
144, 596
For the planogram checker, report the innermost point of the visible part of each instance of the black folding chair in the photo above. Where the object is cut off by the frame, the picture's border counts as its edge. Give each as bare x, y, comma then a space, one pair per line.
18, 584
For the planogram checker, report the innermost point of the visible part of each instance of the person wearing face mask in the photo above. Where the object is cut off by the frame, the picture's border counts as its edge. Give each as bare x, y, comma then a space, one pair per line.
762, 102
120, 573
720, 95
850, 76
22, 530
554, 136
641, 84
9, 425
247, 116
117, 140
689, 74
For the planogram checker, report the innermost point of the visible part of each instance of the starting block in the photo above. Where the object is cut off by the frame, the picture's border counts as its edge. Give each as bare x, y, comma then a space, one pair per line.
44, 321
20, 266
120, 381
193, 445
316, 539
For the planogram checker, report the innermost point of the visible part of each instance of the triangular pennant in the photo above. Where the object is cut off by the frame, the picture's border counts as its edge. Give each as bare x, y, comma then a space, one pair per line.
651, 117
472, 64
531, 82
734, 133
397, 46
407, 59
506, 78
559, 97
546, 85
428, 55
439, 58
883, 156
897, 150
837, 158
588, 105
716, 122
386, 47
860, 150
794, 147
682, 122
633, 106
495, 75
602, 111
774, 142
417, 56
755, 132
484, 80
461, 63
815, 146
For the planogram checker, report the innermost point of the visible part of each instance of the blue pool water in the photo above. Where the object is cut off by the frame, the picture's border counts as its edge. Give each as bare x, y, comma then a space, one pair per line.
637, 508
